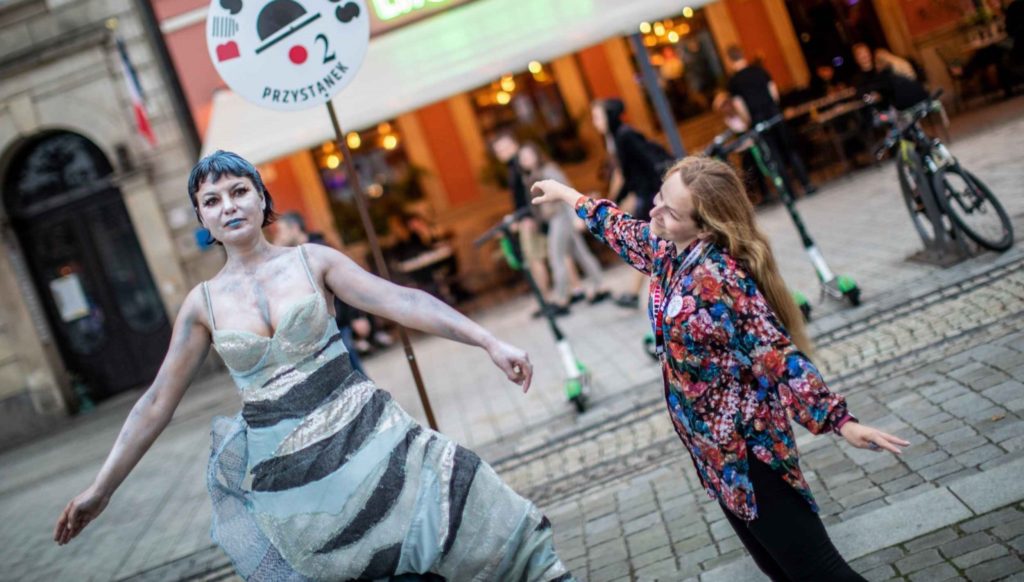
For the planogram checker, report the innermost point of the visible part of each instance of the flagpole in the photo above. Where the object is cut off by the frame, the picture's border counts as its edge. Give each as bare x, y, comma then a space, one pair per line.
378, 256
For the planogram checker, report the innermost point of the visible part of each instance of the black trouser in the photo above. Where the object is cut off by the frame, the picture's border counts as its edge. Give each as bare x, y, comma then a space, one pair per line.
780, 140
788, 540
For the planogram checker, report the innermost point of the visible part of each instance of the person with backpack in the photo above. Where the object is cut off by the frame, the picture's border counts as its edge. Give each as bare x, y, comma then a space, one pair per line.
637, 168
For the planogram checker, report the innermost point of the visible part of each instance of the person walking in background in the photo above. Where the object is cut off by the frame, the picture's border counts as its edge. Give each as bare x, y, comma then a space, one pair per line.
532, 241
756, 98
638, 165
321, 475
290, 231
735, 360
565, 245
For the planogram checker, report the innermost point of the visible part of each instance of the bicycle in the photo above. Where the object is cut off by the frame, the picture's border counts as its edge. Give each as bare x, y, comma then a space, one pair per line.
942, 197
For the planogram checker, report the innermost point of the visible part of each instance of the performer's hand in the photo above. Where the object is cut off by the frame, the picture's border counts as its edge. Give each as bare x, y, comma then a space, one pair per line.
79, 513
866, 437
552, 191
514, 362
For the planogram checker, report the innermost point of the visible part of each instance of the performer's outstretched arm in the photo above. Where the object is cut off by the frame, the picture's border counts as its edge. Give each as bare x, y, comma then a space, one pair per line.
190, 343
414, 309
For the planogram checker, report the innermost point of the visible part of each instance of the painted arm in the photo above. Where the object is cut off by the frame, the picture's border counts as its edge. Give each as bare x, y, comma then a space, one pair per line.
190, 342
414, 309
630, 238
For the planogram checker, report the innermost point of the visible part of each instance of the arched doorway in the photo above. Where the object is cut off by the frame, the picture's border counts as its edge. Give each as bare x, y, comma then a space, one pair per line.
85, 262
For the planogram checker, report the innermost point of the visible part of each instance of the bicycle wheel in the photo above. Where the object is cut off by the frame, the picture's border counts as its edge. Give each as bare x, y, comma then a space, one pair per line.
913, 184
973, 208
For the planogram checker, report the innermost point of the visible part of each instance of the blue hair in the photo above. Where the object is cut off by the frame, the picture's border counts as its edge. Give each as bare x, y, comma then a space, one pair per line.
221, 163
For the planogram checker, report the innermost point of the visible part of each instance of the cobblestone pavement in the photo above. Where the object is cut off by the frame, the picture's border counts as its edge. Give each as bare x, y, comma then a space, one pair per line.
935, 355
625, 501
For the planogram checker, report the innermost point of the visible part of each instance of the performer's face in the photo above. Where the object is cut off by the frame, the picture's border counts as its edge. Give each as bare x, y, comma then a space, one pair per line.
231, 208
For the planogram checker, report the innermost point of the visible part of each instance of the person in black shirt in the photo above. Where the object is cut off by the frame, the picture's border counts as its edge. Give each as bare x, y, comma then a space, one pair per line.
756, 97
638, 166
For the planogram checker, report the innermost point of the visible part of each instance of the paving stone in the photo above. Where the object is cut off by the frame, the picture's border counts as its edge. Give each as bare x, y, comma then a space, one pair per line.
966, 544
932, 540
918, 561
935, 573
980, 555
995, 570
881, 557
883, 572
991, 520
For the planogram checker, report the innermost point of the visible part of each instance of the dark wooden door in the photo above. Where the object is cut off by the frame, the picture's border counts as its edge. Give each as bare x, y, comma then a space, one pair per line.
87, 266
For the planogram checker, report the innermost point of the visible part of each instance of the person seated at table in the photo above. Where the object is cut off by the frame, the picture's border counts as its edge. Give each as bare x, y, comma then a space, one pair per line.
898, 65
413, 237
883, 84
824, 82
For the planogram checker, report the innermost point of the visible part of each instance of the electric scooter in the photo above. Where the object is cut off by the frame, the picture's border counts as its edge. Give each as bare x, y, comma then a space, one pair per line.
838, 287
578, 381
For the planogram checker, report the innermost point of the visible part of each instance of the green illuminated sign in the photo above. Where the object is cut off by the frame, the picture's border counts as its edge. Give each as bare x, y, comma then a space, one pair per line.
392, 9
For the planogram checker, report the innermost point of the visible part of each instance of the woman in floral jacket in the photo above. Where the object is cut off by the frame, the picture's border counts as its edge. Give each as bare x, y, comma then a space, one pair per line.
734, 359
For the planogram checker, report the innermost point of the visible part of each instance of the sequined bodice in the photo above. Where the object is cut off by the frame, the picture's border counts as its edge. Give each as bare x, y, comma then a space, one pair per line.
301, 330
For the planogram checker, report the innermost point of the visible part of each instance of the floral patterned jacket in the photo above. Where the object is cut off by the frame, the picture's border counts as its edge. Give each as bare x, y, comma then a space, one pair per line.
732, 376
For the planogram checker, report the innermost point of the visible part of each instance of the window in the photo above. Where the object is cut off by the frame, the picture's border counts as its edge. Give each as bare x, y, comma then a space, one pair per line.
387, 177
530, 105
683, 52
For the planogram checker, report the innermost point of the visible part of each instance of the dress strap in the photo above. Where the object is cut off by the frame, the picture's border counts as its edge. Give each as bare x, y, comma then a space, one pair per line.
209, 305
309, 272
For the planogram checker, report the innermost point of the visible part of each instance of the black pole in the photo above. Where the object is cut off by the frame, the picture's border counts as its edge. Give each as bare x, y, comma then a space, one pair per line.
650, 81
378, 257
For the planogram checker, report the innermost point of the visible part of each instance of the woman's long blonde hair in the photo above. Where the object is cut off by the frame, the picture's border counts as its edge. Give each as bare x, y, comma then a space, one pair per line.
722, 208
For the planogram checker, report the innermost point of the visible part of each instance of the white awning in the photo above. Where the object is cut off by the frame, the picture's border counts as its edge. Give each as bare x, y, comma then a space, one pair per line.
447, 54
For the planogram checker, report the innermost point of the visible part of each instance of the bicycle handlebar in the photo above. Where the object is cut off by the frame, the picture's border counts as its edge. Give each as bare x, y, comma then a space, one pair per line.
901, 121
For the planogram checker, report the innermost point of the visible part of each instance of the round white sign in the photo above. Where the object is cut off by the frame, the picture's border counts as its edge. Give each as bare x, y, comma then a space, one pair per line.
287, 54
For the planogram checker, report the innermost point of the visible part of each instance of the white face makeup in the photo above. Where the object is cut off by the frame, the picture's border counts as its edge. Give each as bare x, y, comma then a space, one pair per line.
231, 208
673, 215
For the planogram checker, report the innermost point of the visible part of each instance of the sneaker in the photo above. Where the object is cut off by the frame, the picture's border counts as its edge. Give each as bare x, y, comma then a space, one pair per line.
599, 297
627, 300
577, 296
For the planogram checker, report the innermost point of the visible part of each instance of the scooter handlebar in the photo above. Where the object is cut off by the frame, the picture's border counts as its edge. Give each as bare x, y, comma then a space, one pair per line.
503, 227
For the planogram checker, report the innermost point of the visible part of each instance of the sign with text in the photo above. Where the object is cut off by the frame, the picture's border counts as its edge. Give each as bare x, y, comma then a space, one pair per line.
287, 54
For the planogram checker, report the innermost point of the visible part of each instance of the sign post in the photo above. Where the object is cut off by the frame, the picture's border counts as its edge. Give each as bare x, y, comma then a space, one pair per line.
290, 55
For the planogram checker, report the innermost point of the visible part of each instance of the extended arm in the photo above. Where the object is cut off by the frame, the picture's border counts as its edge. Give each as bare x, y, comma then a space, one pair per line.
149, 417
630, 238
414, 309
767, 348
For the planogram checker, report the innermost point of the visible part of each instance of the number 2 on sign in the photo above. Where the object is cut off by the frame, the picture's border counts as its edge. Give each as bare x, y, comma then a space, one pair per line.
327, 57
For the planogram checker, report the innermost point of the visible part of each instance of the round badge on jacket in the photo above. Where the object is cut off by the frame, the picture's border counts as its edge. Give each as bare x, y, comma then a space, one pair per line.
675, 306
287, 54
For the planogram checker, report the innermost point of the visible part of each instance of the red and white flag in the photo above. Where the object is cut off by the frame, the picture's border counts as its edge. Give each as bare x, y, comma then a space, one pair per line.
135, 92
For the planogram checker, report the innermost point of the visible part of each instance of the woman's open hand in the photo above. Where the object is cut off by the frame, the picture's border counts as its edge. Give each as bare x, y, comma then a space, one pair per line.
514, 362
552, 191
866, 437
79, 512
